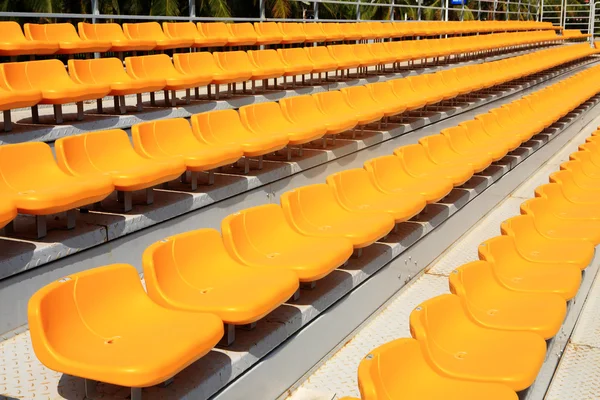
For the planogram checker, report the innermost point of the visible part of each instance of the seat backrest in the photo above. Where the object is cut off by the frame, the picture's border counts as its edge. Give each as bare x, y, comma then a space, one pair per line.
296, 108
153, 66
320, 54
216, 126
26, 165
102, 31
293, 29
98, 70
265, 58
144, 30
332, 101
180, 30
62, 32
412, 154
264, 117
268, 29
191, 63
470, 279
344, 52
306, 201
164, 137
233, 60
432, 320
214, 29
313, 29
44, 74
10, 31
242, 30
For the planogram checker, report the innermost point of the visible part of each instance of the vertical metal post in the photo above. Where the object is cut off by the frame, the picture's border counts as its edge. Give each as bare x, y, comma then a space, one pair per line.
541, 10
263, 9
494, 10
192, 7
358, 11
446, 9
95, 10
316, 10
462, 12
478, 10
563, 13
419, 4
507, 9
392, 11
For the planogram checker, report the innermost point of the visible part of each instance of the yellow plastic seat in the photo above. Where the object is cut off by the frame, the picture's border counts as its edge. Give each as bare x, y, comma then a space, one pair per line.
15, 93
534, 246
268, 63
37, 186
113, 33
572, 190
66, 36
215, 283
461, 143
215, 32
225, 127
292, 32
384, 95
109, 71
416, 163
363, 53
191, 63
492, 305
333, 103
355, 192
173, 139
398, 370
264, 119
550, 224
389, 175
51, 79
353, 31
8, 211
564, 207
101, 325
314, 32
304, 110
344, 56
269, 32
360, 98
110, 153
243, 34
420, 84
457, 347
153, 31
14, 43
314, 211
333, 31
584, 174
403, 90
239, 62
494, 129
322, 59
514, 271
478, 135
261, 238
188, 31
440, 151
295, 61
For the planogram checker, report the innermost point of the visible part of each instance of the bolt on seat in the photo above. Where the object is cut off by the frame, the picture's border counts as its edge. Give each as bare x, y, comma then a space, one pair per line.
458, 348
101, 325
492, 305
355, 192
314, 211
260, 237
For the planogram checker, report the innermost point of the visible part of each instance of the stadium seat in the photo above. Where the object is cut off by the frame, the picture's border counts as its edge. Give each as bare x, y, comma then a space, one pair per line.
585, 175
152, 31
65, 34
455, 346
333, 103
14, 43
170, 139
411, 99
493, 306
269, 64
384, 95
110, 153
16, 93
571, 188
360, 98
113, 33
314, 32
461, 143
109, 71
32, 179
101, 325
563, 206
355, 192
8, 211
440, 151
243, 34
292, 32
535, 247
389, 175
295, 62
188, 31
265, 119
588, 158
215, 283
321, 59
239, 62
333, 31
344, 56
305, 110
216, 32
57, 88
314, 211
398, 370
159, 66
550, 224
476, 133
268, 32
225, 127
352, 31
491, 126
416, 163
261, 238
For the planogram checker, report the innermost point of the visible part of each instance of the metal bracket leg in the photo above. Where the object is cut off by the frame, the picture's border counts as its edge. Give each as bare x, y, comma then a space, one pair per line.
71, 218
125, 198
58, 117
40, 225
149, 196
79, 111
228, 336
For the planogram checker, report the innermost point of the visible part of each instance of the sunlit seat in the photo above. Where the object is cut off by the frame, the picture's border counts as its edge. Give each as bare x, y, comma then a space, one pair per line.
292, 32
14, 43
564, 207
8, 210
173, 138
366, 58
66, 36
239, 62
188, 31
16, 93
267, 118
534, 246
492, 127
389, 175
398, 370
551, 225
260, 237
344, 56
101, 325
322, 59
225, 127
333, 103
333, 31
109, 71
355, 192
440, 151
411, 99
177, 278
455, 346
384, 95
270, 65
477, 133
295, 61
113, 33
304, 110
215, 32
416, 163
461, 143
492, 305
314, 211
31, 178
153, 31
243, 34
191, 63
360, 98
585, 175
314, 32
111, 153
352, 31
420, 84
571, 188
